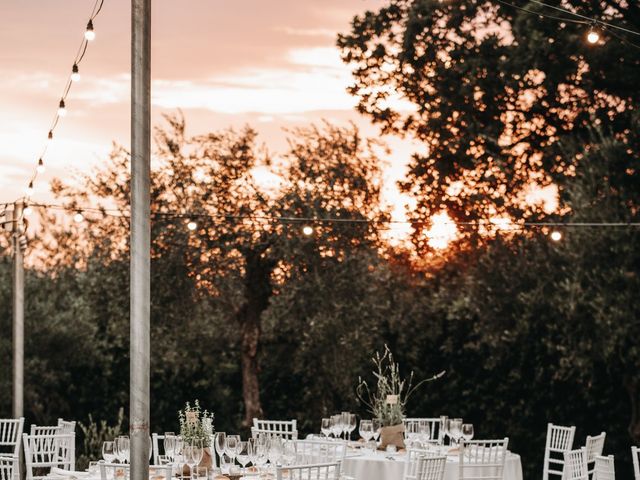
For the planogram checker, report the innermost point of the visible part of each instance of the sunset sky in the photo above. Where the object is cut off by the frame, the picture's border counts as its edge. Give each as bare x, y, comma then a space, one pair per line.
224, 63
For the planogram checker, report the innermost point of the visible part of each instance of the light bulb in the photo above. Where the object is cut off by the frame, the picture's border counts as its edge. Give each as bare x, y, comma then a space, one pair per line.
593, 36
40, 167
75, 73
556, 236
307, 230
27, 211
29, 190
192, 225
78, 217
89, 34
62, 109
50, 136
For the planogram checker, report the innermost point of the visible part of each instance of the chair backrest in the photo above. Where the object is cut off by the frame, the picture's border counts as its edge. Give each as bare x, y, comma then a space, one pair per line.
635, 456
110, 471
48, 451
559, 440
431, 468
8, 467
575, 465
11, 436
435, 432
482, 459
318, 471
286, 429
45, 430
413, 468
67, 426
605, 468
594, 446
319, 451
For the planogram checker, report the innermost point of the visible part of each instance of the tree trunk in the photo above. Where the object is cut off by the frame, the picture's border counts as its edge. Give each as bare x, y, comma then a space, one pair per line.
631, 385
258, 291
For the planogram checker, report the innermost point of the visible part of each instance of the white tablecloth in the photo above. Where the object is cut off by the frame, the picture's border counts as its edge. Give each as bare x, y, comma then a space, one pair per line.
377, 466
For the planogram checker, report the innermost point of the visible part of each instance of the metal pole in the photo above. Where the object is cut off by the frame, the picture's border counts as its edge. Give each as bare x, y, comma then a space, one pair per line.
140, 237
18, 314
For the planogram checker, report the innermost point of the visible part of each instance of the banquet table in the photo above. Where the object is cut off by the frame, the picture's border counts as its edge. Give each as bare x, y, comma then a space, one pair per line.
390, 466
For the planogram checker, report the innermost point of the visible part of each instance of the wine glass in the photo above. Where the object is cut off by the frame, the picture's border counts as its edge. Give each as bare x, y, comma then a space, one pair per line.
252, 450
243, 455
377, 427
351, 425
288, 452
219, 443
410, 433
325, 427
108, 452
275, 450
467, 431
366, 429
122, 448
231, 447
169, 445
424, 432
344, 423
262, 454
197, 452
455, 426
444, 429
336, 425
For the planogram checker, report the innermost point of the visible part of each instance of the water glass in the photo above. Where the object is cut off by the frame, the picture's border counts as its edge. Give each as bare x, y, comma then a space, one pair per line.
108, 452
325, 427
366, 430
467, 431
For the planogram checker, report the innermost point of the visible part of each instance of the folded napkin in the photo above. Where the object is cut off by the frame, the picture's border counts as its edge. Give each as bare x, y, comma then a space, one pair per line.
68, 473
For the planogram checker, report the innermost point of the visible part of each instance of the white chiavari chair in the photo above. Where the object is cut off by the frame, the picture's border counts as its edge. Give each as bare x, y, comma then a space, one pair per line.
559, 440
8, 467
482, 459
42, 452
67, 426
115, 471
575, 465
286, 429
594, 446
155, 442
635, 456
429, 471
319, 471
434, 427
605, 468
319, 451
10, 439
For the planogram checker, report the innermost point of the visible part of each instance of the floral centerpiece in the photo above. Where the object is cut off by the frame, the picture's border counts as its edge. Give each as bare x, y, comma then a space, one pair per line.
196, 429
387, 402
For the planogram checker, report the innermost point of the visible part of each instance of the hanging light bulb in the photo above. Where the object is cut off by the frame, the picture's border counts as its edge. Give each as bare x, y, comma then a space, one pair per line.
593, 36
89, 34
307, 230
78, 217
40, 167
192, 225
29, 190
27, 211
62, 108
50, 136
75, 73
556, 236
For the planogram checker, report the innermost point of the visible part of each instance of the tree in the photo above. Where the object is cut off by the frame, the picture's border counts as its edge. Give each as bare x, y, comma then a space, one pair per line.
246, 242
495, 94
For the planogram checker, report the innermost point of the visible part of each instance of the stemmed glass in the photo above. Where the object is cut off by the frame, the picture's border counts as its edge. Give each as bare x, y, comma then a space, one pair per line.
377, 427
169, 444
122, 448
455, 429
219, 444
288, 452
262, 453
351, 424
336, 425
325, 427
467, 431
244, 455
252, 450
366, 430
444, 429
410, 433
231, 446
424, 432
197, 452
108, 452
344, 423
275, 450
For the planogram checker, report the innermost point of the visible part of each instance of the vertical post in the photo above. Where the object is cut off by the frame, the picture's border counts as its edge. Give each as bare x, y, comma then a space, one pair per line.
18, 314
140, 237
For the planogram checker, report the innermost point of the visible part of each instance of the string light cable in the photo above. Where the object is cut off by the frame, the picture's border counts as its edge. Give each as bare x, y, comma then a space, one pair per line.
74, 76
